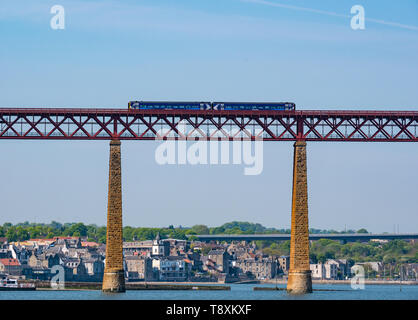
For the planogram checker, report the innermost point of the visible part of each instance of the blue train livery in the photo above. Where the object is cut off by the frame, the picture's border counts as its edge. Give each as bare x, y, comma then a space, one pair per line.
183, 105
169, 105
253, 106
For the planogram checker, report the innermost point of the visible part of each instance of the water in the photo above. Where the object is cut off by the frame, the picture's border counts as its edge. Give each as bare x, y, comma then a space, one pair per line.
238, 292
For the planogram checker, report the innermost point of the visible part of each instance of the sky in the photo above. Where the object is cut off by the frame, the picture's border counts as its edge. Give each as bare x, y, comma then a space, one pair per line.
111, 52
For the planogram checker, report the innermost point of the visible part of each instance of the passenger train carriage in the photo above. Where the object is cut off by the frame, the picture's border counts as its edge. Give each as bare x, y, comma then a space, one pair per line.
169, 105
253, 106
190, 105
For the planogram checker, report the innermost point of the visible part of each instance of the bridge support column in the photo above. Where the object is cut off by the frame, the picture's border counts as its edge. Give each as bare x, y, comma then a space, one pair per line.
114, 279
299, 280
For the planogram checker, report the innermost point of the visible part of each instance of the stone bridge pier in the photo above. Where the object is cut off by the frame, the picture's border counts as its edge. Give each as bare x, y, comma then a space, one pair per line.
299, 280
114, 278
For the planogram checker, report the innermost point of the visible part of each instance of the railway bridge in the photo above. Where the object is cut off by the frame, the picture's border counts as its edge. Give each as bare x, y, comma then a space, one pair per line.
342, 237
300, 126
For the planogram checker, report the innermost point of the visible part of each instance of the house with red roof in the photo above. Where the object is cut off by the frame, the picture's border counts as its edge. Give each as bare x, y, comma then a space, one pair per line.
10, 267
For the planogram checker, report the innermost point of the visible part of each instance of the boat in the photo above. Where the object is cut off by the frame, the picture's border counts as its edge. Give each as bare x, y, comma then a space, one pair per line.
7, 284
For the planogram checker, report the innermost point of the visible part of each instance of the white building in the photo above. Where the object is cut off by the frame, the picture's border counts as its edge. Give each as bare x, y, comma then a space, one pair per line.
342, 267
375, 266
160, 248
171, 268
324, 271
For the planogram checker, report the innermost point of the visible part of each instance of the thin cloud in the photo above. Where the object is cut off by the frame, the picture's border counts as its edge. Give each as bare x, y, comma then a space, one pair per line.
329, 13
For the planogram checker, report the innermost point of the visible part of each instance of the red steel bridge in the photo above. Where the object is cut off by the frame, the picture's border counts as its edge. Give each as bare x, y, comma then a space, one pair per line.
123, 124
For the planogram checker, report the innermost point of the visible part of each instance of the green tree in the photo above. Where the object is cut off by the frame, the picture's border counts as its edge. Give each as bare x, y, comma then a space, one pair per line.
362, 230
200, 229
11, 234
78, 230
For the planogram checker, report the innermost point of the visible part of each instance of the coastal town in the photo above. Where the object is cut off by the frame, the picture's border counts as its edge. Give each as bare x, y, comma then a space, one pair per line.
174, 260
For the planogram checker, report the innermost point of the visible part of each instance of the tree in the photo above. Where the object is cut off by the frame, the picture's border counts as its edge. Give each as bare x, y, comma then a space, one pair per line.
56, 225
321, 258
362, 230
78, 230
192, 238
101, 234
7, 225
200, 229
22, 234
313, 258
11, 234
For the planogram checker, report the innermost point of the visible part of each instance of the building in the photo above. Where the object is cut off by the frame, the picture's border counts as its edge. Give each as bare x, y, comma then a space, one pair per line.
94, 268
373, 265
39, 273
283, 264
21, 254
177, 247
171, 268
5, 253
138, 248
260, 268
343, 271
10, 267
411, 271
138, 268
219, 258
194, 259
160, 248
321, 271
332, 269
74, 269
43, 260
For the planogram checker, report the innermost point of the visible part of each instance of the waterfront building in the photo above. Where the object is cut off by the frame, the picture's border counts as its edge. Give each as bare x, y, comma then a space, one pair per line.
5, 253
138, 268
343, 270
219, 259
94, 268
321, 271
177, 247
138, 247
373, 265
283, 264
171, 268
10, 267
160, 248
43, 260
260, 268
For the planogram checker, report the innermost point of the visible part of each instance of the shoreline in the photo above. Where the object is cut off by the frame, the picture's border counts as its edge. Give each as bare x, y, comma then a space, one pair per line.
155, 285
366, 281
45, 285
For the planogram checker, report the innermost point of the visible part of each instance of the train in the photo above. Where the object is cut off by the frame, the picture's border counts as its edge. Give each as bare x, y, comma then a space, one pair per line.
195, 105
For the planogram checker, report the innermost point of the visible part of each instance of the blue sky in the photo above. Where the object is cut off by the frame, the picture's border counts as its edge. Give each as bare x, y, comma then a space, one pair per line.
303, 51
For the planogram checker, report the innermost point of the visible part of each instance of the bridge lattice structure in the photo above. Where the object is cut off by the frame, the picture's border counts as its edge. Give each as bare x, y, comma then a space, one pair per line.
121, 124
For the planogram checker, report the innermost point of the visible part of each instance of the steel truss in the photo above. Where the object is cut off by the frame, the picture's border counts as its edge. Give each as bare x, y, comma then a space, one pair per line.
106, 124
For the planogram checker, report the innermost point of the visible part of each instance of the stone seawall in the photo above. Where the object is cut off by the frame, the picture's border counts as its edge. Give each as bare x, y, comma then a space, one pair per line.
46, 285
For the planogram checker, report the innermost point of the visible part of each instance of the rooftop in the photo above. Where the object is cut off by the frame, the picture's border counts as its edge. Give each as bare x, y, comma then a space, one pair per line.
10, 262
